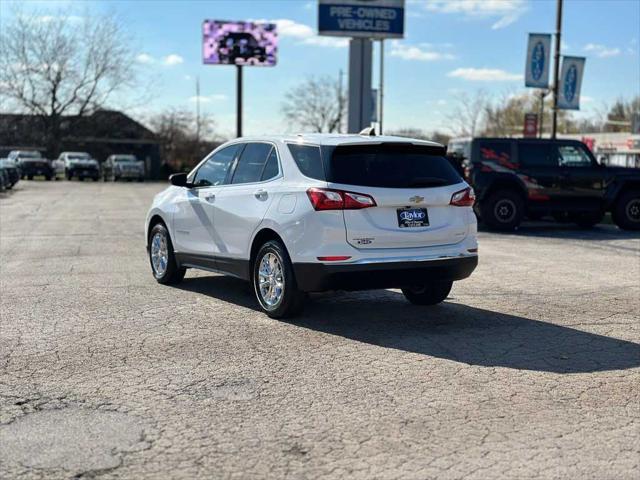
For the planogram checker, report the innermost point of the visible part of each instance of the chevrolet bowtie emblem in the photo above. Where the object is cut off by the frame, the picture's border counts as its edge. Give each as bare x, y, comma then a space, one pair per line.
416, 199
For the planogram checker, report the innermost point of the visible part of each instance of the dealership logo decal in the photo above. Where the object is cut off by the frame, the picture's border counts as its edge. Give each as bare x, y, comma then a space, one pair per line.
570, 82
412, 215
537, 61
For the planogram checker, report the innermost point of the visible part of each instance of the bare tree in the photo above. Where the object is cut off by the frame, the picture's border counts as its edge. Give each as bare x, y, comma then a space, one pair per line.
466, 116
55, 66
182, 145
317, 104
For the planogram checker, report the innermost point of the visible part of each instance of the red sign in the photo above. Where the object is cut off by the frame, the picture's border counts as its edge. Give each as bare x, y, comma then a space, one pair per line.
530, 125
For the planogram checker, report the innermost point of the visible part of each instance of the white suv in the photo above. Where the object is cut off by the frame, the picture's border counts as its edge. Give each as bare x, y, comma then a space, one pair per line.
309, 213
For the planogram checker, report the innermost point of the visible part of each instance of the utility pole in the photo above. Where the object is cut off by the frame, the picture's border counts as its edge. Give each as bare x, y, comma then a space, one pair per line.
381, 86
198, 114
340, 101
543, 93
556, 68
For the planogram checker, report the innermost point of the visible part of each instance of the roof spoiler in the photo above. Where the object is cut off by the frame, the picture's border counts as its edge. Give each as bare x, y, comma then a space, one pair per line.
368, 132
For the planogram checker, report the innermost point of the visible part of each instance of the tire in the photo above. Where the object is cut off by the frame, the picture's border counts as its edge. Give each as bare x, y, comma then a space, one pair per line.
281, 298
428, 294
503, 210
587, 220
48, 178
626, 212
95, 179
29, 177
69, 176
171, 273
116, 179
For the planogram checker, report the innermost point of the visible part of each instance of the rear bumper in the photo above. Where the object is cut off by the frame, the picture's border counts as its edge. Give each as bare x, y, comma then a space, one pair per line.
318, 277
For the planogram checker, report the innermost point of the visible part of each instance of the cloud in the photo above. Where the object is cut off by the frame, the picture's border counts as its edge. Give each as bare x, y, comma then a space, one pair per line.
74, 19
304, 34
411, 52
215, 97
145, 59
484, 75
172, 59
602, 51
505, 12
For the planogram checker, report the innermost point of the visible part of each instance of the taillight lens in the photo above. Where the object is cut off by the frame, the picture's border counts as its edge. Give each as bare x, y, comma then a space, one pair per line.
463, 198
329, 199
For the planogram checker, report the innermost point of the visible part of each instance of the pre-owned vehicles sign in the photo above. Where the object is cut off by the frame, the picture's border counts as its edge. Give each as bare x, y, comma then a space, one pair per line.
361, 18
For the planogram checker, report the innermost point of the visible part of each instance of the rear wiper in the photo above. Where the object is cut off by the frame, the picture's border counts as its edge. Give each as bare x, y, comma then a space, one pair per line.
427, 182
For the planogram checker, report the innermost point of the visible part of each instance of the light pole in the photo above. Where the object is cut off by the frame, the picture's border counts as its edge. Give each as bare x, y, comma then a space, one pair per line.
556, 68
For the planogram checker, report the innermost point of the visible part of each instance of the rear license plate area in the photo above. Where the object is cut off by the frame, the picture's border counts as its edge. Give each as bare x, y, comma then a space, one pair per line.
412, 217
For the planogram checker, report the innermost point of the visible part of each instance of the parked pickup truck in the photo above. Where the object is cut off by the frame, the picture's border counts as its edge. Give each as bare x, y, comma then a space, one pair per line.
31, 164
518, 177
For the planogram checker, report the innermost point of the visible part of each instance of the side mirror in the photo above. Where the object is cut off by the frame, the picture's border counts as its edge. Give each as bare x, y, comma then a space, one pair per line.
179, 180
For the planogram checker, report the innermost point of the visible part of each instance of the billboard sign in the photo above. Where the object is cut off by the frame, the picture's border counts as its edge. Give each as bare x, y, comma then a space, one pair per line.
361, 18
239, 43
538, 60
570, 83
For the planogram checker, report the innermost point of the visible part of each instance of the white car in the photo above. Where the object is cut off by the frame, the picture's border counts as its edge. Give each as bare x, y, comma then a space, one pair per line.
80, 165
310, 213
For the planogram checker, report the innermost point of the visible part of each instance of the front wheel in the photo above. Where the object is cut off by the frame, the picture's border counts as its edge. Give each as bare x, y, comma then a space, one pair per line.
274, 282
626, 212
428, 294
162, 258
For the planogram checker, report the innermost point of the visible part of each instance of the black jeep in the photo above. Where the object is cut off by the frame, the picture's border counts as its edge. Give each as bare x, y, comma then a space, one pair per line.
518, 177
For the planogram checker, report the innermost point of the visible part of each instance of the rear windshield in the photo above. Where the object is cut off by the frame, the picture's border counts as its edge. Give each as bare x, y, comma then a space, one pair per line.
389, 166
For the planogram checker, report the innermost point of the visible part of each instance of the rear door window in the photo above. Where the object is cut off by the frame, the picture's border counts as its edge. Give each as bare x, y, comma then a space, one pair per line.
390, 166
536, 154
308, 159
271, 168
251, 163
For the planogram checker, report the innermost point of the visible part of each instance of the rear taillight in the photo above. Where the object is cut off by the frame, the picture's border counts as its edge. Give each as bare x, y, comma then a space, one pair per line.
329, 199
463, 198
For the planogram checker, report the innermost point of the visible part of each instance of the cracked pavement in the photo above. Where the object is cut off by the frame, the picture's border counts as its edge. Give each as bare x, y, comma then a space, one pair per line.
531, 369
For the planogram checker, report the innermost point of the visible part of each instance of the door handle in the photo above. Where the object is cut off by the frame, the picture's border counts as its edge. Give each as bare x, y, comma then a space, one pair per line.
261, 194
210, 198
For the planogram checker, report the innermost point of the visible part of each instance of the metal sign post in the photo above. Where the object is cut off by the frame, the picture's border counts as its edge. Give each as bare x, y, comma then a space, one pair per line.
359, 110
238, 100
556, 69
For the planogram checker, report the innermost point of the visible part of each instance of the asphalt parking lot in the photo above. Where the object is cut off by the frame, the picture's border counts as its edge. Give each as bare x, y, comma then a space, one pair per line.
531, 369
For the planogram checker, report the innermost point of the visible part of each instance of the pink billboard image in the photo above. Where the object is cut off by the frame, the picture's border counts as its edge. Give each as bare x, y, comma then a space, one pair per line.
239, 43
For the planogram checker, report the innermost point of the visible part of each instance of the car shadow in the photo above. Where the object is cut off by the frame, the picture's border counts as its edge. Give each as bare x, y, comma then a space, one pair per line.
450, 331
549, 229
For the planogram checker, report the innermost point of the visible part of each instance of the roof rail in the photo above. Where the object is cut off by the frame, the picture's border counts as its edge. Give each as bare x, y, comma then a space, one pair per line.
368, 132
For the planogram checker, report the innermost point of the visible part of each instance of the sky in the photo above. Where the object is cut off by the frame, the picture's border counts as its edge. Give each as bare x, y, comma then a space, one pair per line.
450, 47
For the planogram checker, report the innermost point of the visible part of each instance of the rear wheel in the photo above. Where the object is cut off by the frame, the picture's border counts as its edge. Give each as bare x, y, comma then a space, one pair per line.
503, 210
29, 177
274, 282
428, 294
162, 258
626, 212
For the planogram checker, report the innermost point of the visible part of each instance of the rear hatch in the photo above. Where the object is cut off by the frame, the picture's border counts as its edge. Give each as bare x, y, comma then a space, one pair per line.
412, 187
